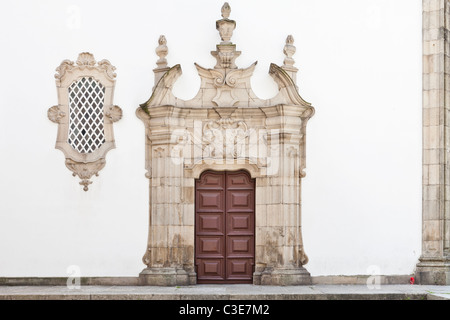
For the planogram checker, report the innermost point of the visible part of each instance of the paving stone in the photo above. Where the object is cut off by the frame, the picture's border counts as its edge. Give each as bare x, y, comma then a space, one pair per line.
228, 292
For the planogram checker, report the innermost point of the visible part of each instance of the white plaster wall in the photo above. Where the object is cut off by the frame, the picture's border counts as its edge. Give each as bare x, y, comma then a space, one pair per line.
360, 66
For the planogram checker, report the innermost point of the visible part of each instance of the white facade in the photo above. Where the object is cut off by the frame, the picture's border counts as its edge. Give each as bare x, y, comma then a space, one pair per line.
360, 65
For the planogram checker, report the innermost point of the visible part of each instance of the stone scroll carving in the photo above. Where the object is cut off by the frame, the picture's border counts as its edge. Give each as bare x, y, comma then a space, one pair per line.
224, 138
85, 114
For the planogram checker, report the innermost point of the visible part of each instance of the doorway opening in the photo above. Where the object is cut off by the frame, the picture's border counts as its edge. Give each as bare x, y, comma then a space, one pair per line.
225, 227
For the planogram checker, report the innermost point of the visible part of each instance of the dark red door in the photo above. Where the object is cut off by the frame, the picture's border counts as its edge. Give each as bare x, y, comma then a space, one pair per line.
225, 227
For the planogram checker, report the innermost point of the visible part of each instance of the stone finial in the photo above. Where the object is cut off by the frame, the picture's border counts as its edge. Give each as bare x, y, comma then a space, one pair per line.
226, 10
226, 26
226, 51
289, 51
162, 50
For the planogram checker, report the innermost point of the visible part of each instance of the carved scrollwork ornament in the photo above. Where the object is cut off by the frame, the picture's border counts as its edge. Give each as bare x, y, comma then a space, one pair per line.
108, 68
224, 137
114, 113
86, 59
85, 114
55, 114
303, 257
146, 259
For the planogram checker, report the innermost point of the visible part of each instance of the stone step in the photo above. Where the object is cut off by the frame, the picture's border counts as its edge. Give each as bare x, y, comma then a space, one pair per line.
227, 292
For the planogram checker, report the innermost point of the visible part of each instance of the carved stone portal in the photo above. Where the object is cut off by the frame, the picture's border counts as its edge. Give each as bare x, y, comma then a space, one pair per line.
226, 127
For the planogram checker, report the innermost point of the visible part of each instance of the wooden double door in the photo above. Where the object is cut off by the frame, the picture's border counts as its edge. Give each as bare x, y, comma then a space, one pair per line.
225, 227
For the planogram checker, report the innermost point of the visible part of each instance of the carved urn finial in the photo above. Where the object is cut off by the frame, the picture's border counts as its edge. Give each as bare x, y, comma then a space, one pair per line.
226, 10
289, 51
162, 50
226, 26
226, 51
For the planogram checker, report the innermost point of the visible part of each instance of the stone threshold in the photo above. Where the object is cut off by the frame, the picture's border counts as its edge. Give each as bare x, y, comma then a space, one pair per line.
134, 281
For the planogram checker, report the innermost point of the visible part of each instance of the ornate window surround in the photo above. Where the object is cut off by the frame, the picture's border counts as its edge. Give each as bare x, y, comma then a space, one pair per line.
84, 165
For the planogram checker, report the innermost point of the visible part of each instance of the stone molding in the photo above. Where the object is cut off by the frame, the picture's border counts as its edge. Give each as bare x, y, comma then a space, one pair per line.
85, 165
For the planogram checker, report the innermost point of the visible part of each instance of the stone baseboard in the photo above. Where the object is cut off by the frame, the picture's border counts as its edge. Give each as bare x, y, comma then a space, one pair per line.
282, 277
362, 280
61, 281
167, 277
138, 281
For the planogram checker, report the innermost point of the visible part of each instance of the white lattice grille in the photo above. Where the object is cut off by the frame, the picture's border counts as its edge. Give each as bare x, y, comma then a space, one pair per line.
86, 127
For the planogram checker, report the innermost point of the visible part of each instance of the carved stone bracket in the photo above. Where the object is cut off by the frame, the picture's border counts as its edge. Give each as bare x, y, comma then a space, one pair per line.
85, 171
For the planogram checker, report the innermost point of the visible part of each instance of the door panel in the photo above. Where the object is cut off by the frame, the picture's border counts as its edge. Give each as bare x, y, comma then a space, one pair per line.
225, 227
210, 247
211, 224
239, 246
210, 227
210, 201
240, 201
211, 270
239, 270
239, 223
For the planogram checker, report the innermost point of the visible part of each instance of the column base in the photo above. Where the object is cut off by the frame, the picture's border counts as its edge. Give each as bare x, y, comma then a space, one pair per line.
167, 277
435, 271
282, 277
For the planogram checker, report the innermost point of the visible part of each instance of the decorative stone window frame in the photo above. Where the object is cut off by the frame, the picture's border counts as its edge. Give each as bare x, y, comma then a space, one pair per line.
85, 165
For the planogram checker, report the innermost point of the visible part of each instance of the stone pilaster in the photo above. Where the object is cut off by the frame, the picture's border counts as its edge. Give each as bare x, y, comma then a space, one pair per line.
434, 265
280, 256
170, 251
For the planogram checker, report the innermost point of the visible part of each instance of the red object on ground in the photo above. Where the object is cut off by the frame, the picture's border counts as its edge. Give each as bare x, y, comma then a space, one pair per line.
412, 280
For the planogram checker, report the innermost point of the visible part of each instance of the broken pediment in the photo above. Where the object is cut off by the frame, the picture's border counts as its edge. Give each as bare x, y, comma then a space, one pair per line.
225, 85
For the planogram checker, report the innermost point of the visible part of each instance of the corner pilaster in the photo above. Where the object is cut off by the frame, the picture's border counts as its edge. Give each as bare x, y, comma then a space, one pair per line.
434, 265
